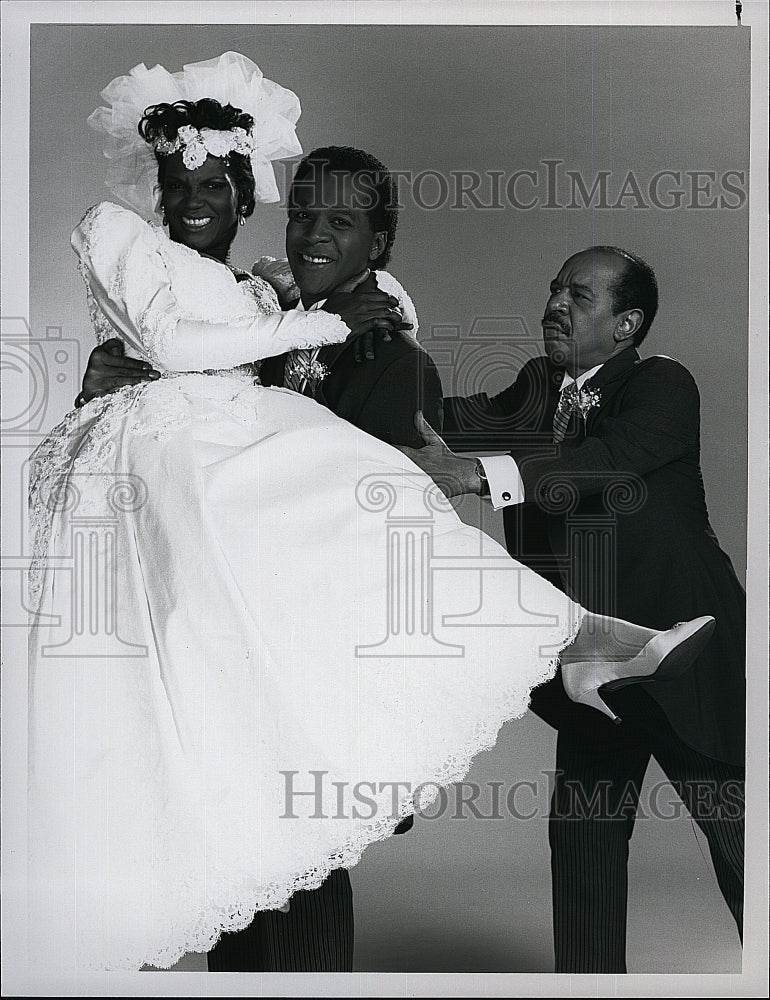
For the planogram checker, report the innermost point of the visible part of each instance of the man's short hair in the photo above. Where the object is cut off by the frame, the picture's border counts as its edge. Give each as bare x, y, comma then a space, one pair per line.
375, 186
636, 287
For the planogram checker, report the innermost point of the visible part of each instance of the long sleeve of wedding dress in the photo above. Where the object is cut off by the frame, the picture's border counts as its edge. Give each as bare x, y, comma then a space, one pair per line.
181, 311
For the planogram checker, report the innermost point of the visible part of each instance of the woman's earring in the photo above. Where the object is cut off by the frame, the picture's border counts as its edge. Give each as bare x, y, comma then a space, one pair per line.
163, 219
241, 217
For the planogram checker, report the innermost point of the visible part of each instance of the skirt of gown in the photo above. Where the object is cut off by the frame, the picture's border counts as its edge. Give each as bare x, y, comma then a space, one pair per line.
262, 636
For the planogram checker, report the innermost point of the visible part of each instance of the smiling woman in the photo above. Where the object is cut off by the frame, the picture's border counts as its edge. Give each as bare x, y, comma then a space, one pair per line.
204, 192
201, 207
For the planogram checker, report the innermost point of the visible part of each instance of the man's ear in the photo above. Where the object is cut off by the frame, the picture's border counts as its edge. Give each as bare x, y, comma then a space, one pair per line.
628, 324
379, 243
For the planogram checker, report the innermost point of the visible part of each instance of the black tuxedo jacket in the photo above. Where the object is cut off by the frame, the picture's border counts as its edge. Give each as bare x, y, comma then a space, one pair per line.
616, 516
379, 396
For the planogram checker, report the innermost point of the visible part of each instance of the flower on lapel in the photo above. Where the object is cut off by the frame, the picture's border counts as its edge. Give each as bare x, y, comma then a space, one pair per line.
310, 370
587, 400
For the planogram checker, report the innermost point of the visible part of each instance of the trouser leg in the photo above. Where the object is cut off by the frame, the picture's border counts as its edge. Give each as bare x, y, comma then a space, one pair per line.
316, 935
714, 793
599, 776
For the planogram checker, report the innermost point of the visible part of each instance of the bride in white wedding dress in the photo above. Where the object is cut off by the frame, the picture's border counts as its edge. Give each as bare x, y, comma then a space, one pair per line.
236, 728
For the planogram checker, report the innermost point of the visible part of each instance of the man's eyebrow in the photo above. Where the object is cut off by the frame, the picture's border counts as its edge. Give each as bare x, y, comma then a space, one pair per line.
314, 207
556, 284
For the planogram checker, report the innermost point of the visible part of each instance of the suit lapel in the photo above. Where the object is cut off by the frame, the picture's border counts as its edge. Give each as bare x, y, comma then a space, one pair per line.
329, 354
332, 357
609, 379
553, 378
614, 369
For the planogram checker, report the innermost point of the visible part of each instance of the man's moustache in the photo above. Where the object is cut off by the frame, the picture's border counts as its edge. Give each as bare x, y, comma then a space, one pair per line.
555, 320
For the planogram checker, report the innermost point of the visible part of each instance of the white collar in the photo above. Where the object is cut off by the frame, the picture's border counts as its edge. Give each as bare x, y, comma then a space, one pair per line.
581, 379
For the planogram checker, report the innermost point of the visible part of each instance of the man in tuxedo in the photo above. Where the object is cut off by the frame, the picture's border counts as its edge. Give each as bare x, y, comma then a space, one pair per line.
602, 494
342, 223
341, 228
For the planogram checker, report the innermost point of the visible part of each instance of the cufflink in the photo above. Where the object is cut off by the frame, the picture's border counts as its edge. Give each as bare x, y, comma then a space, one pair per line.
506, 495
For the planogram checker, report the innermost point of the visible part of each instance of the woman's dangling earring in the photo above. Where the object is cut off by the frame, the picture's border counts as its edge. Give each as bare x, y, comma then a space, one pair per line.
163, 219
241, 217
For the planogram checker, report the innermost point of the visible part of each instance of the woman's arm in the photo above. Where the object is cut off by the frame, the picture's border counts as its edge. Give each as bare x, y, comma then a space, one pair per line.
181, 311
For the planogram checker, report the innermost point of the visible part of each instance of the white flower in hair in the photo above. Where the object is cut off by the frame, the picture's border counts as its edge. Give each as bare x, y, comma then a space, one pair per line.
244, 143
194, 154
217, 143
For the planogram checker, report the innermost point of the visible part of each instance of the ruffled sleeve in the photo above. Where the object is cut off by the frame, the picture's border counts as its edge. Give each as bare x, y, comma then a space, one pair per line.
181, 311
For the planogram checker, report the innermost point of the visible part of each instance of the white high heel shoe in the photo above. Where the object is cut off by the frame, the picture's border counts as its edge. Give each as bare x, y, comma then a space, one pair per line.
666, 656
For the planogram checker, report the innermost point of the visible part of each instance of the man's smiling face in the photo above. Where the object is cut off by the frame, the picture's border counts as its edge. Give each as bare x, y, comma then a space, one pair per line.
329, 237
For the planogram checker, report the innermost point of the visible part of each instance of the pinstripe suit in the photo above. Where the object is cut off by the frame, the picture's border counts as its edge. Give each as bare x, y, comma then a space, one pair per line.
616, 516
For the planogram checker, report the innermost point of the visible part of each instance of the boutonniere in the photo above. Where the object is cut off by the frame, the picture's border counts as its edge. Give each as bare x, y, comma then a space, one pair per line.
587, 400
311, 371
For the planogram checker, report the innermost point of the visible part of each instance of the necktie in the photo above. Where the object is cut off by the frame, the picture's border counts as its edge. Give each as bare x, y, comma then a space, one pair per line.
565, 408
298, 368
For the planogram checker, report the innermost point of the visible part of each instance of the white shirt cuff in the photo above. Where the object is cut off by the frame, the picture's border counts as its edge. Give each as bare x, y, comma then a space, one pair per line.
505, 483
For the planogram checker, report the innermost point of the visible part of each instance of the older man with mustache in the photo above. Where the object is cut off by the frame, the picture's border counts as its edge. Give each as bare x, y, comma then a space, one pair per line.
603, 495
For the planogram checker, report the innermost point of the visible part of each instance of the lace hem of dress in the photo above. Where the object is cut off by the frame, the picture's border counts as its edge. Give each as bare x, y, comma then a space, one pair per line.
246, 902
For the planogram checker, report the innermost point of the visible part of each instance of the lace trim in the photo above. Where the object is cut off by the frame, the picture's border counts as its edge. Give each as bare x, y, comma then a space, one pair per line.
158, 330
262, 291
88, 224
215, 921
321, 328
103, 329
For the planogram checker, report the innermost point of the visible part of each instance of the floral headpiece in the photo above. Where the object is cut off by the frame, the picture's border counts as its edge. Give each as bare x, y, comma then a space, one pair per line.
230, 79
196, 144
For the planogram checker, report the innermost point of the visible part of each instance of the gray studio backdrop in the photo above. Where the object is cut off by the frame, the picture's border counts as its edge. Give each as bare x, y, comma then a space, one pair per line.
501, 133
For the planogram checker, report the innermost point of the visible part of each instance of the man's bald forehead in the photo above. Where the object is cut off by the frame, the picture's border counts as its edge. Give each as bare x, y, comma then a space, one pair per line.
599, 257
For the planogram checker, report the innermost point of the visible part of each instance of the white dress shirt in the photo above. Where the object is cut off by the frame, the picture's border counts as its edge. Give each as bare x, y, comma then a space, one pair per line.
502, 472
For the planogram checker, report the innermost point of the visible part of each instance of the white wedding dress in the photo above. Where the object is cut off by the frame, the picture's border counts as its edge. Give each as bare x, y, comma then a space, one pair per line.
240, 597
